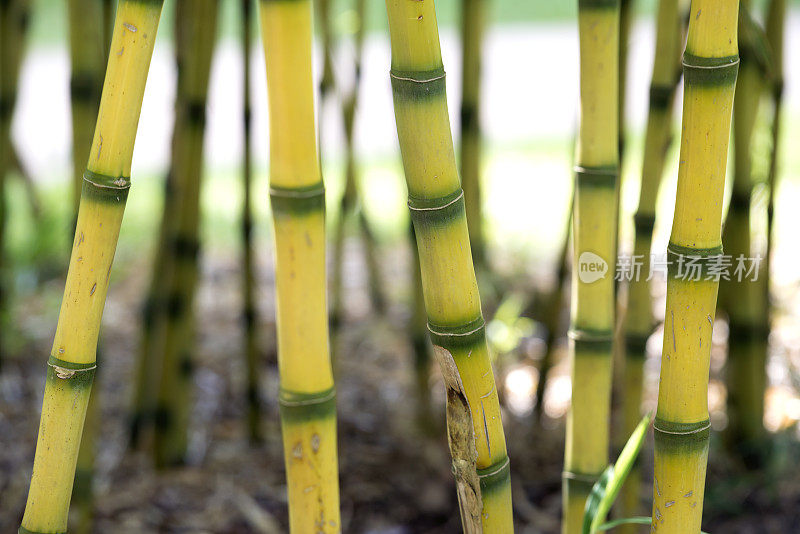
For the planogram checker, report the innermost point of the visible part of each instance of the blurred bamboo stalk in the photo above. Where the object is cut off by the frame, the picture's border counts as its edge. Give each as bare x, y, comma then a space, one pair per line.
14, 15
473, 21
72, 364
418, 336
195, 34
639, 319
595, 218
249, 310
743, 299
350, 204
552, 320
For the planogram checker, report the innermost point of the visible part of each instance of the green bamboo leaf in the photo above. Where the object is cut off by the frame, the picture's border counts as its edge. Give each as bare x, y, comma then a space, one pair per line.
605, 491
595, 497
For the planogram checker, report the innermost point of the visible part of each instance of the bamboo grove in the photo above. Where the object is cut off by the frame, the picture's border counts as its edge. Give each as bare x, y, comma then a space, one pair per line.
723, 60
594, 220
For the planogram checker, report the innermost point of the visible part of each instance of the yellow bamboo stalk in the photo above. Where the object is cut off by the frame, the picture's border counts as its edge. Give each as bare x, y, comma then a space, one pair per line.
106, 182
455, 320
639, 320
88, 55
682, 423
594, 240
307, 397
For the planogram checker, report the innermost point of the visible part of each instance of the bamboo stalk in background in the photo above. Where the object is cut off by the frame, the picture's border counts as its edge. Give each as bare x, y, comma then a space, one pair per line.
418, 336
775, 31
748, 326
151, 340
307, 397
594, 241
639, 320
552, 321
350, 204
682, 428
72, 364
473, 20
13, 25
249, 311
452, 302
195, 35
88, 50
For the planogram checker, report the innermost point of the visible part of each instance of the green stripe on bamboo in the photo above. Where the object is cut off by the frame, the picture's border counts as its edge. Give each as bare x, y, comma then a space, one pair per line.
297, 200
418, 85
458, 336
302, 407
605, 176
598, 4
76, 379
678, 438
437, 212
495, 477
104, 188
710, 71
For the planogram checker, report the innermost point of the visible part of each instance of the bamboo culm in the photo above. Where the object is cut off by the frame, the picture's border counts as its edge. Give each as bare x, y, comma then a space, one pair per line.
473, 20
13, 26
72, 364
249, 311
553, 319
297, 194
682, 428
639, 319
748, 325
89, 43
350, 204
455, 321
196, 24
594, 236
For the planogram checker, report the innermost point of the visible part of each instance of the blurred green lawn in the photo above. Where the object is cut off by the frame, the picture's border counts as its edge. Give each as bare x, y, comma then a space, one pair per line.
49, 25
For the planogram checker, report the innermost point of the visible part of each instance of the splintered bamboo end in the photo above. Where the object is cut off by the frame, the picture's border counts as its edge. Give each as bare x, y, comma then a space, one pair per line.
461, 438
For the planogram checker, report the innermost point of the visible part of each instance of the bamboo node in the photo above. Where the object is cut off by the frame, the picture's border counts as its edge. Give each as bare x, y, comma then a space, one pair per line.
458, 197
495, 469
65, 374
329, 395
476, 327
409, 78
683, 432
104, 181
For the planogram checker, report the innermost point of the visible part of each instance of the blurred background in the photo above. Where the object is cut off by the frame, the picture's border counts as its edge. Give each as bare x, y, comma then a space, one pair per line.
394, 463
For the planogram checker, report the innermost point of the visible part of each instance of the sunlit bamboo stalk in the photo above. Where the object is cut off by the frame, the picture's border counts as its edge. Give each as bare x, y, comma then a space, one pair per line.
639, 320
307, 395
594, 233
455, 320
682, 427
72, 365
